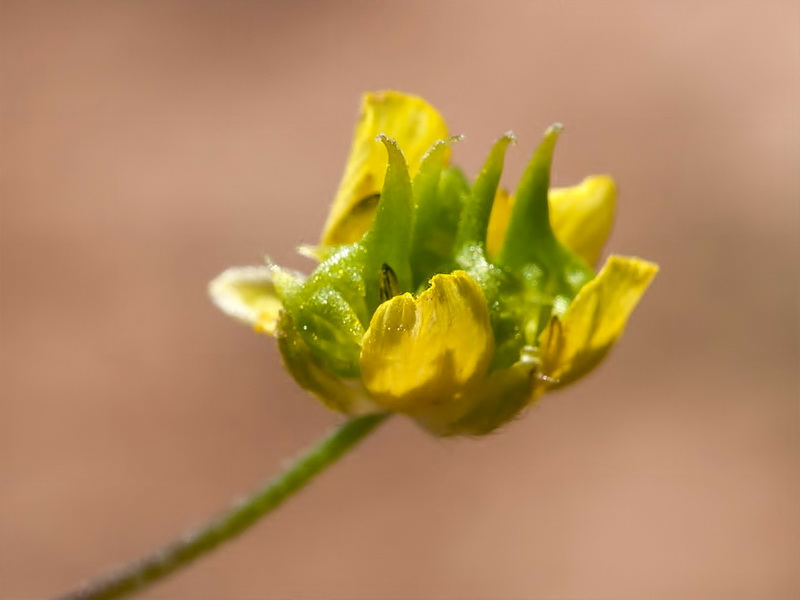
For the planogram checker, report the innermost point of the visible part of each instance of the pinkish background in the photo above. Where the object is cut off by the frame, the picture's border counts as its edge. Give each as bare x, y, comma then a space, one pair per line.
146, 146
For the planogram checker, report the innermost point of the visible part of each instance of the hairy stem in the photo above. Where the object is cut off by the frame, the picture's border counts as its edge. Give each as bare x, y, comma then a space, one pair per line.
152, 568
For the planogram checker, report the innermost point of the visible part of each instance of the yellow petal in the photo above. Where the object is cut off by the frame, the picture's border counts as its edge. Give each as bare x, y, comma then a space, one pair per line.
572, 346
498, 221
409, 120
581, 216
248, 295
421, 353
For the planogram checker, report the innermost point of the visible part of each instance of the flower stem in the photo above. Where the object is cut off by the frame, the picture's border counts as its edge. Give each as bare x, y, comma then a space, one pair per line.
150, 569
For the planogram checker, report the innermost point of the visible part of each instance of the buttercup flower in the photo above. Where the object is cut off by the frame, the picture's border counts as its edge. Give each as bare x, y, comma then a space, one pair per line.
449, 301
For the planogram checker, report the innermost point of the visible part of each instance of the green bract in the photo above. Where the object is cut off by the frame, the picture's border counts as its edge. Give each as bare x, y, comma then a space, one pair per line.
445, 300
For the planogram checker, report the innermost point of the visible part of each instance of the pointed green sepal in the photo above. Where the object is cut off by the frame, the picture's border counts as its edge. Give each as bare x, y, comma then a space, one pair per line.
475, 219
436, 218
388, 241
529, 226
530, 247
329, 310
332, 330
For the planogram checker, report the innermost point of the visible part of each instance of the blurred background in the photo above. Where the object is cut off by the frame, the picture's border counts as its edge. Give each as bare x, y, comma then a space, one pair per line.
147, 146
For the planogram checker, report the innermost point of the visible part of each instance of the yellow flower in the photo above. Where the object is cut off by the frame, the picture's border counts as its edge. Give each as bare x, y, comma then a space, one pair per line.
452, 302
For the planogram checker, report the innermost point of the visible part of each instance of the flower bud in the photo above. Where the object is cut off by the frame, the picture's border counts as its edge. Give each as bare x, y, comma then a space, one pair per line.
454, 303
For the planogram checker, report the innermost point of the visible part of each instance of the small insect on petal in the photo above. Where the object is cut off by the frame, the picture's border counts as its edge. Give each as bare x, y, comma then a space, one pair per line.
388, 284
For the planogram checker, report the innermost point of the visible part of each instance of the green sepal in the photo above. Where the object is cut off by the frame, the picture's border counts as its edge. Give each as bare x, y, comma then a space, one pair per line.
529, 235
438, 198
474, 221
314, 376
551, 274
332, 329
329, 311
388, 240
332, 309
500, 286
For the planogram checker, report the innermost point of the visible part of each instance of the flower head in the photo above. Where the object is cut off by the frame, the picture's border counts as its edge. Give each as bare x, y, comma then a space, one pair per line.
450, 301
